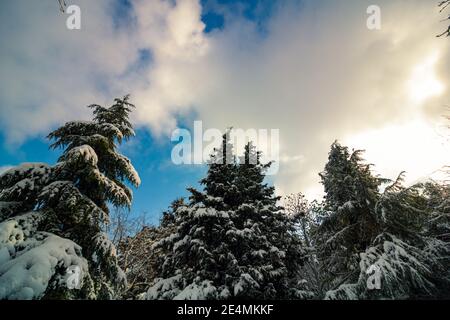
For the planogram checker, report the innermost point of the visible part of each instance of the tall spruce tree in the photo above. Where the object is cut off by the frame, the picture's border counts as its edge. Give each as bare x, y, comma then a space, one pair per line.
347, 178
350, 194
232, 240
379, 245
265, 241
410, 257
197, 257
53, 216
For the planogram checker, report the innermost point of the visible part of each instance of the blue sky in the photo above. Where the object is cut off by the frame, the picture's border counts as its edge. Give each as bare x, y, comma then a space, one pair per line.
311, 69
162, 182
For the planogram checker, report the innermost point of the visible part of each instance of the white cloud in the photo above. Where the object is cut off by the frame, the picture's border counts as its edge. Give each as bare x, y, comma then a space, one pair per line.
49, 73
317, 74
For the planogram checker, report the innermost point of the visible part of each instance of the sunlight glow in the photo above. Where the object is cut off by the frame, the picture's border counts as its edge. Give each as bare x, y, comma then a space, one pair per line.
416, 147
423, 83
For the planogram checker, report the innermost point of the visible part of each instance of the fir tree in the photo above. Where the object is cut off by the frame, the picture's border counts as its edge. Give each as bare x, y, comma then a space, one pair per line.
385, 237
220, 191
351, 192
197, 256
347, 178
68, 204
232, 240
409, 257
265, 241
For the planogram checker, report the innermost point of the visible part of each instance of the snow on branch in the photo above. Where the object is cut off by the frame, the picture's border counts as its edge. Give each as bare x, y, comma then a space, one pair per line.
32, 260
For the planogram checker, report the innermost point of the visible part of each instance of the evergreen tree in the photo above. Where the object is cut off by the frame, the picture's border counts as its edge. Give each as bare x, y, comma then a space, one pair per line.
232, 240
220, 191
351, 192
59, 212
270, 251
380, 245
409, 256
197, 257
347, 178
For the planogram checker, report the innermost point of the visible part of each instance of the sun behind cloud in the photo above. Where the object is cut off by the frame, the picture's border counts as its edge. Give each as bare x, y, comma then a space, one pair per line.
424, 83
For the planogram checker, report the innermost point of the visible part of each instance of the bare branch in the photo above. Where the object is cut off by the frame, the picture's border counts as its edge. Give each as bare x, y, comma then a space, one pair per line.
444, 5
62, 5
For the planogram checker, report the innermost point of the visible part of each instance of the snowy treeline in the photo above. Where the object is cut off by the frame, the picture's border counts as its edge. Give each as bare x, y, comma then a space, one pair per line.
369, 238
400, 236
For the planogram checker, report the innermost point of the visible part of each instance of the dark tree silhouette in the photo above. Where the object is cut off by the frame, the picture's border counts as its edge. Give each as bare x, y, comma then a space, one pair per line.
62, 5
445, 4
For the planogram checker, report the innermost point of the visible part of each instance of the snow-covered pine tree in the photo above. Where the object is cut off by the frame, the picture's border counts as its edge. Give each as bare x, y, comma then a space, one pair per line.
380, 245
351, 192
409, 256
197, 257
347, 178
231, 241
220, 191
53, 217
32, 259
264, 239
